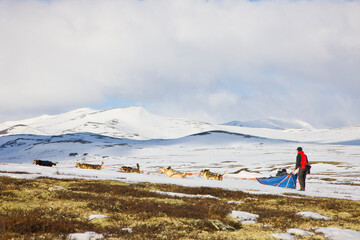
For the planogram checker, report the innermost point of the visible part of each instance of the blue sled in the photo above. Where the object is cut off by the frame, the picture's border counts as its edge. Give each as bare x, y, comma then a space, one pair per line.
287, 181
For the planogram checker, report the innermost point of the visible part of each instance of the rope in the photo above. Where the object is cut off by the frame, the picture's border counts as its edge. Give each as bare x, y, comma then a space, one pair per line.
198, 174
240, 178
152, 171
193, 174
110, 167
190, 174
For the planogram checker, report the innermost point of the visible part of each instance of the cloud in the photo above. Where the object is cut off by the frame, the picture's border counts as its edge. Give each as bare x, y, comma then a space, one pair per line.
218, 60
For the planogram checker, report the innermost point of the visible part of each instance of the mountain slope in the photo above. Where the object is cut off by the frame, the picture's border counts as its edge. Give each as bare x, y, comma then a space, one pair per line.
22, 148
129, 122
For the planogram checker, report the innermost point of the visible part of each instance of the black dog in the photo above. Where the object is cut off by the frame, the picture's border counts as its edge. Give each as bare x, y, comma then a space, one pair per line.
44, 163
281, 173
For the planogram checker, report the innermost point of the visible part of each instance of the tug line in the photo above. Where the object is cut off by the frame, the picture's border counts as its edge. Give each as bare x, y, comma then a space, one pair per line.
190, 174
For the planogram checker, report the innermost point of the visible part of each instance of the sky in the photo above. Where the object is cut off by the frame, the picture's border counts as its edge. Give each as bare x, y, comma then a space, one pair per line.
213, 61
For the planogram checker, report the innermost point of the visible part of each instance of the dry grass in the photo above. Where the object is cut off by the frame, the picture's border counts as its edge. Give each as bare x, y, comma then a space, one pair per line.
335, 163
28, 210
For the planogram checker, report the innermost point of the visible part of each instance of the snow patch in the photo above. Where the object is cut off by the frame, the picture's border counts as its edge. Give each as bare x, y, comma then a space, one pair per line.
184, 195
97, 216
313, 215
85, 236
56, 188
127, 229
282, 236
299, 232
236, 202
244, 217
334, 233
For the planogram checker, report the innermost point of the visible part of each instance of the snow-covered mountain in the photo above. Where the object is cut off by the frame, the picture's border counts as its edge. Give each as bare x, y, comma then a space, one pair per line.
136, 123
271, 123
128, 122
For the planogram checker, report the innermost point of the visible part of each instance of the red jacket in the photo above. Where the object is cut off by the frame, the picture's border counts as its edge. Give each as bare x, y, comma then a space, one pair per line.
301, 160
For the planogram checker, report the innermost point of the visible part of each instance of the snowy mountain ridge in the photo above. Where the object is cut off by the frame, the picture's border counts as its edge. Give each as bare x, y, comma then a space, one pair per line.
137, 123
128, 122
271, 123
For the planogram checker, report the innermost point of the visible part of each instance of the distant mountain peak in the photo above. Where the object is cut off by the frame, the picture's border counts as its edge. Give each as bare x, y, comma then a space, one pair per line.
271, 123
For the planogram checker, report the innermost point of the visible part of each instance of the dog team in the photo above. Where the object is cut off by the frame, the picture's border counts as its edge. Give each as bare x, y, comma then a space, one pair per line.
170, 172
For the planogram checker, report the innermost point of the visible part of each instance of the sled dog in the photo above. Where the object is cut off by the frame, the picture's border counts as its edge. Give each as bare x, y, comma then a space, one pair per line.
44, 163
89, 166
211, 176
173, 173
130, 169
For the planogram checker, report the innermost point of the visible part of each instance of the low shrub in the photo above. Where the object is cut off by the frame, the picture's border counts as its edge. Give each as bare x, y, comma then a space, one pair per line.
40, 221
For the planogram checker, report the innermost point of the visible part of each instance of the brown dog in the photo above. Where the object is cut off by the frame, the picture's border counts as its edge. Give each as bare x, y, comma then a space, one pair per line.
130, 169
173, 173
211, 176
89, 166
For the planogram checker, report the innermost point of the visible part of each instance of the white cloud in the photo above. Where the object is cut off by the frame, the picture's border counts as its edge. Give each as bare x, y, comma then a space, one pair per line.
229, 59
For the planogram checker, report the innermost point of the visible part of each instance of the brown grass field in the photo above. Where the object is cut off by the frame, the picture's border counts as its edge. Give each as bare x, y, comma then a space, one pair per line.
29, 209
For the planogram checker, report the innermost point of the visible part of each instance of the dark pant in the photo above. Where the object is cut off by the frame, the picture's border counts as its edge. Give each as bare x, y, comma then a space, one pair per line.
302, 177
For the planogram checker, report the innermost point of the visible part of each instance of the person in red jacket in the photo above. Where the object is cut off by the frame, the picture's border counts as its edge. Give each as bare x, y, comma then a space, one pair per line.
301, 162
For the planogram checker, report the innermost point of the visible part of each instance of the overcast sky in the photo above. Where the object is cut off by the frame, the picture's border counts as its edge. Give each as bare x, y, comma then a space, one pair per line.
213, 61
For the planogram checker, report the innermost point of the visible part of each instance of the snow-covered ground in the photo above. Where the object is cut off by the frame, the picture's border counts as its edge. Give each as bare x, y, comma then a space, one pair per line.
128, 136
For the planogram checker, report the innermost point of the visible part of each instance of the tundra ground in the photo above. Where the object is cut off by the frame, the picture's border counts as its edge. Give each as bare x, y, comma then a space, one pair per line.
46, 208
